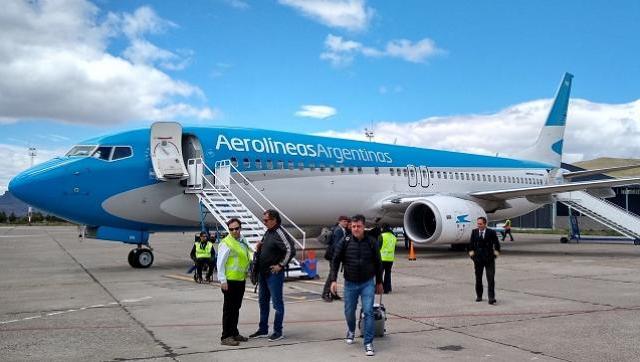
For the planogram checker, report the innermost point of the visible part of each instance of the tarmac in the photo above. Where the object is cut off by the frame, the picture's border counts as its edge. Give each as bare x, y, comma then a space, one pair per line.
64, 299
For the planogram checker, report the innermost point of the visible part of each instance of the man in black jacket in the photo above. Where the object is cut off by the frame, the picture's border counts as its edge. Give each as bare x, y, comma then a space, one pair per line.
360, 255
338, 232
275, 252
484, 248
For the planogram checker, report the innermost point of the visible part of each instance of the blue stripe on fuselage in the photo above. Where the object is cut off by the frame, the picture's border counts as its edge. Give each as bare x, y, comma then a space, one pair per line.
224, 143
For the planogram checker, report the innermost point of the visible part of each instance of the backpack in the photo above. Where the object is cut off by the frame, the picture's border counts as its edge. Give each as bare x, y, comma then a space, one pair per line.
327, 237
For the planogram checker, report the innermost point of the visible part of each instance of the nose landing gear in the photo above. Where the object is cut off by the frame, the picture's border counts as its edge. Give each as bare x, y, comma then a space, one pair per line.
140, 257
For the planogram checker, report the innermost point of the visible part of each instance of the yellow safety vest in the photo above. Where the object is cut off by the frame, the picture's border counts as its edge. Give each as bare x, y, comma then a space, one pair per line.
507, 224
237, 264
388, 249
203, 252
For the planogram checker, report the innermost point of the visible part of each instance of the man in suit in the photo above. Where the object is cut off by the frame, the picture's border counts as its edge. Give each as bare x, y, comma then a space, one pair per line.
484, 248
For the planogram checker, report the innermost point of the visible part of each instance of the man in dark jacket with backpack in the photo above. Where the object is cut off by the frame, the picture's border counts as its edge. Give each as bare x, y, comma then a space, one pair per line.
337, 233
360, 255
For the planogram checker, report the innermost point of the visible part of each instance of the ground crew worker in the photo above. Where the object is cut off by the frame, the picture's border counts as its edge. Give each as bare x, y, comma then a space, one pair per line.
507, 230
387, 255
203, 254
234, 256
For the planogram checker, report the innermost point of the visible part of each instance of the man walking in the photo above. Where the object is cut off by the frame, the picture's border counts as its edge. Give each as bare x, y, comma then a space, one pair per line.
275, 252
360, 255
387, 255
233, 265
338, 232
484, 248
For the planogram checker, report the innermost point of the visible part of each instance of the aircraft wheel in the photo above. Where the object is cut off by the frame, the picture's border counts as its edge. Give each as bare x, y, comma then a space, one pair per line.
133, 258
144, 258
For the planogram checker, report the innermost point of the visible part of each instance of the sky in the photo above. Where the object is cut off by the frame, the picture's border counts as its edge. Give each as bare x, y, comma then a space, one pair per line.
467, 76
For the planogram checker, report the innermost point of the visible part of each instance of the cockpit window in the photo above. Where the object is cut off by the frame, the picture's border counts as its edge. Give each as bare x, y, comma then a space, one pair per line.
121, 152
103, 153
80, 151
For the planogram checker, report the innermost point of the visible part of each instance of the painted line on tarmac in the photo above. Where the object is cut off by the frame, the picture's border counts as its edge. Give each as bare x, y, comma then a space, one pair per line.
59, 312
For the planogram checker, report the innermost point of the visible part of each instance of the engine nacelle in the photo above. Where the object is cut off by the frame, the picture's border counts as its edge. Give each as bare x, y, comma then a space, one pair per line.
441, 220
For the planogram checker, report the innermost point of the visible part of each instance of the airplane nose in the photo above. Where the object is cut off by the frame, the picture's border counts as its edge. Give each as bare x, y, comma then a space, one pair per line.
19, 187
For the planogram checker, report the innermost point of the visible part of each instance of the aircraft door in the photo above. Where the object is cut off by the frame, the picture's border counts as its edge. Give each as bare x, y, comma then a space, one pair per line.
412, 176
166, 151
424, 176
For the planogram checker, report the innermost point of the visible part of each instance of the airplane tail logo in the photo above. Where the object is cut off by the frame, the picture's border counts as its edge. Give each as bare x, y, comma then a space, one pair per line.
548, 146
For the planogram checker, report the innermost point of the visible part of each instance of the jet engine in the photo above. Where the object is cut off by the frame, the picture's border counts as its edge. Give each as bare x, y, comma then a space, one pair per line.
441, 220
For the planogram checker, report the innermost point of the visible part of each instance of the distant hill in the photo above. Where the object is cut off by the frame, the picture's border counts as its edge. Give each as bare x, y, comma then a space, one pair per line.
9, 204
605, 162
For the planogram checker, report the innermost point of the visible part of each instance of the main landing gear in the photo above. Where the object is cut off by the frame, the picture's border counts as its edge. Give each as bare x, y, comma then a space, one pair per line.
140, 257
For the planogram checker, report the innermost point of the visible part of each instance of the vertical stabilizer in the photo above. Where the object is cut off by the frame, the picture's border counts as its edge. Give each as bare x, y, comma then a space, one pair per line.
548, 146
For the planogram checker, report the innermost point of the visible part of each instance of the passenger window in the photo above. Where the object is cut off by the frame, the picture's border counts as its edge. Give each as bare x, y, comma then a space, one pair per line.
102, 153
290, 163
484, 177
350, 169
270, 164
391, 171
494, 178
456, 175
438, 173
120, 153
444, 174
246, 163
258, 164
342, 169
332, 168
280, 165
399, 173
473, 177
404, 172
359, 169
376, 170
234, 161
312, 166
431, 174
301, 165
322, 167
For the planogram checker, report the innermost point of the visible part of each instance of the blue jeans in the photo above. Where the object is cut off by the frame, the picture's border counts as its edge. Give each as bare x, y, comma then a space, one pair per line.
366, 292
270, 287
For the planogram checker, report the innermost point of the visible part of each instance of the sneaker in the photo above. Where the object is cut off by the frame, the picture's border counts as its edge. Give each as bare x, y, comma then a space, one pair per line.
259, 334
368, 349
336, 297
275, 337
229, 341
240, 338
350, 337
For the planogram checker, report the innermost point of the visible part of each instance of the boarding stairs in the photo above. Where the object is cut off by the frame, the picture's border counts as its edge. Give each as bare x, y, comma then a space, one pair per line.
604, 212
217, 191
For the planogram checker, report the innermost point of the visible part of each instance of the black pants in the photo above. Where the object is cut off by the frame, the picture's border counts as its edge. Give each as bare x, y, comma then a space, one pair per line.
386, 284
490, 266
505, 233
231, 308
200, 263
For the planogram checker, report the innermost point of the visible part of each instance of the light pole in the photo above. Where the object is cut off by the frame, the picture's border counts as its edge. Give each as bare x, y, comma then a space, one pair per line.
32, 155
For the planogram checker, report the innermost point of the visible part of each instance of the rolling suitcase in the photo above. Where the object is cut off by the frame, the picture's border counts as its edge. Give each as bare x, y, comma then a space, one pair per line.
379, 318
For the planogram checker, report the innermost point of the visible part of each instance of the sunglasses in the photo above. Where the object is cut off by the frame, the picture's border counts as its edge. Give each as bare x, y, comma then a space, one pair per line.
234, 229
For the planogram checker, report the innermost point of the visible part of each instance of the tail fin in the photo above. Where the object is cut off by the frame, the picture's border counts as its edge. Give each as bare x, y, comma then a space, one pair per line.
548, 146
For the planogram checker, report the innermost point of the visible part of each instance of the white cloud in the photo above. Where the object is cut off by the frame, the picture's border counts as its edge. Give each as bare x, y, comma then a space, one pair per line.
16, 159
316, 111
346, 14
54, 64
593, 130
340, 52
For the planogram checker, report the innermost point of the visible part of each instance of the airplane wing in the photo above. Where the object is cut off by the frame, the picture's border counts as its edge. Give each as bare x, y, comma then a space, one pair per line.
505, 194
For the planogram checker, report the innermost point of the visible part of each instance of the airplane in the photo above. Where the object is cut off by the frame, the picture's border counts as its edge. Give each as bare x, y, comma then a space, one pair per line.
127, 185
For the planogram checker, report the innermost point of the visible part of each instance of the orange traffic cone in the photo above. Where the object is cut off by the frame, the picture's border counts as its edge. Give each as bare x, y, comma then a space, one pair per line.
412, 253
